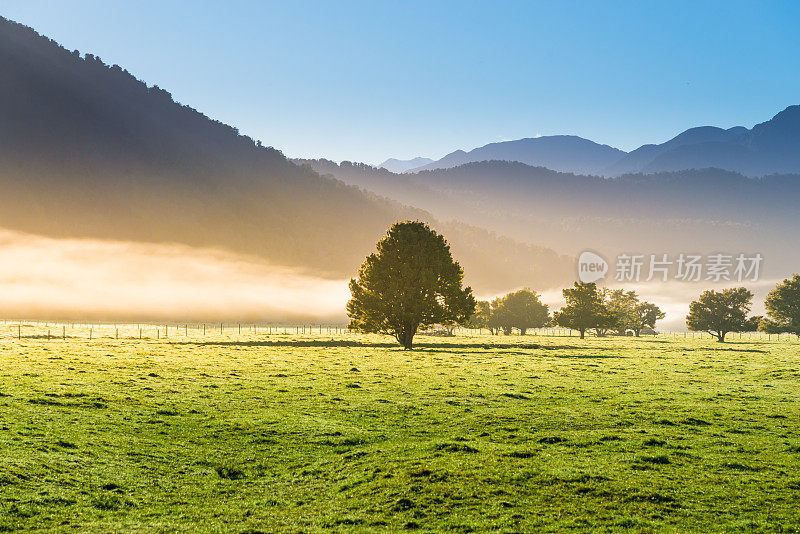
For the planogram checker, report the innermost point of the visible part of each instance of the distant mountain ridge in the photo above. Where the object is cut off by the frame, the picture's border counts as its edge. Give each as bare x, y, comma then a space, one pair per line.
564, 153
403, 165
639, 159
704, 211
771, 147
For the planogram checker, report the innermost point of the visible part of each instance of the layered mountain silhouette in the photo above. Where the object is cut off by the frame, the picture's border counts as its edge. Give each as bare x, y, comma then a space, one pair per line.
705, 211
567, 153
641, 158
772, 147
87, 150
403, 165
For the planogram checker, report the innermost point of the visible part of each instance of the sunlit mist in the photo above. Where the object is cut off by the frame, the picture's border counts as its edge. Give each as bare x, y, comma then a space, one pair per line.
82, 278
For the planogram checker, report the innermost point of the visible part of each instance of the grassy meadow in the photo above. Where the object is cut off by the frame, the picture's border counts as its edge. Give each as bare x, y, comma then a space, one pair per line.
348, 433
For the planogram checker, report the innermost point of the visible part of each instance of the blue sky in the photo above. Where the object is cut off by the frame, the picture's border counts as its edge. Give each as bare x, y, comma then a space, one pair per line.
376, 79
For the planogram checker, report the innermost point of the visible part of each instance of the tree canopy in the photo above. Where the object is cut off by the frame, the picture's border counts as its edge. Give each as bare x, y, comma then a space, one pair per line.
721, 312
411, 282
480, 318
631, 313
584, 310
520, 309
783, 307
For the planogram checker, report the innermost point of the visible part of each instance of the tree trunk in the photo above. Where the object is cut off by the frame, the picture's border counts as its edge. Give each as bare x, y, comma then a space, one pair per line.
406, 341
406, 337
721, 337
522, 331
637, 332
582, 331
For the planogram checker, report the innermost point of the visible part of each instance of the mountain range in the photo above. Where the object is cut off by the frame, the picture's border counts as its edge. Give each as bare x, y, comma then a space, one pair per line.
567, 153
768, 148
403, 165
701, 211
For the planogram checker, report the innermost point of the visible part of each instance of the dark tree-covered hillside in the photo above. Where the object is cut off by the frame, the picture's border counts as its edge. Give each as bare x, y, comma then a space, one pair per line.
88, 150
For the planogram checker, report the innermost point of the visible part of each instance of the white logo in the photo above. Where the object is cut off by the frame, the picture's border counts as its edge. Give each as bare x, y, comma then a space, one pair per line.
591, 267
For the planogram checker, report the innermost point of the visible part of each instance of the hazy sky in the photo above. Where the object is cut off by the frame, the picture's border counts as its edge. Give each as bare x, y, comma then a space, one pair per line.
375, 79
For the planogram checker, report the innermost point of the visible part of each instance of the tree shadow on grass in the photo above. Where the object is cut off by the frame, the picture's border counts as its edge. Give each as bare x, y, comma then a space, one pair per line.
586, 347
509, 350
722, 349
347, 343
506, 348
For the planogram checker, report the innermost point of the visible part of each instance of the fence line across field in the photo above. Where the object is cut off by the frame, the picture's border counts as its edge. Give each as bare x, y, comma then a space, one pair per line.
55, 330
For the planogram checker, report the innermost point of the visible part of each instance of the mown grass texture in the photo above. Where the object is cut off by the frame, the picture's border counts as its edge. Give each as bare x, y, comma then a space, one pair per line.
348, 433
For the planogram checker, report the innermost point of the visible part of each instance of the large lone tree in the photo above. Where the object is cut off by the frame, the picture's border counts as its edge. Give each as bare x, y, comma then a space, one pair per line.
720, 312
411, 282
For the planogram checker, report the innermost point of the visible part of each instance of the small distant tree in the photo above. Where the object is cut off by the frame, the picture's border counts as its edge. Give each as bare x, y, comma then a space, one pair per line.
605, 322
584, 310
632, 313
620, 303
768, 326
521, 309
753, 323
610, 320
720, 312
496, 321
783, 307
500, 317
480, 317
411, 282
645, 315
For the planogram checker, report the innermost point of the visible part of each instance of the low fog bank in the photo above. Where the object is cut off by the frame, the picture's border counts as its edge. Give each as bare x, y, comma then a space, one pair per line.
46, 278
79, 279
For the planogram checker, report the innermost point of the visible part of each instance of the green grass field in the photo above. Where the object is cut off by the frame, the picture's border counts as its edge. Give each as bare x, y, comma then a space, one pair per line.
348, 433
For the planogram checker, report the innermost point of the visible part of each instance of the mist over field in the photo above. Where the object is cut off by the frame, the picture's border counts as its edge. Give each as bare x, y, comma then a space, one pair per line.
118, 280
103, 279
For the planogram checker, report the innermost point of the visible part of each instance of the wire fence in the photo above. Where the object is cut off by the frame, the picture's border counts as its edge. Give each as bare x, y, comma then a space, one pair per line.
55, 330
565, 332
243, 332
